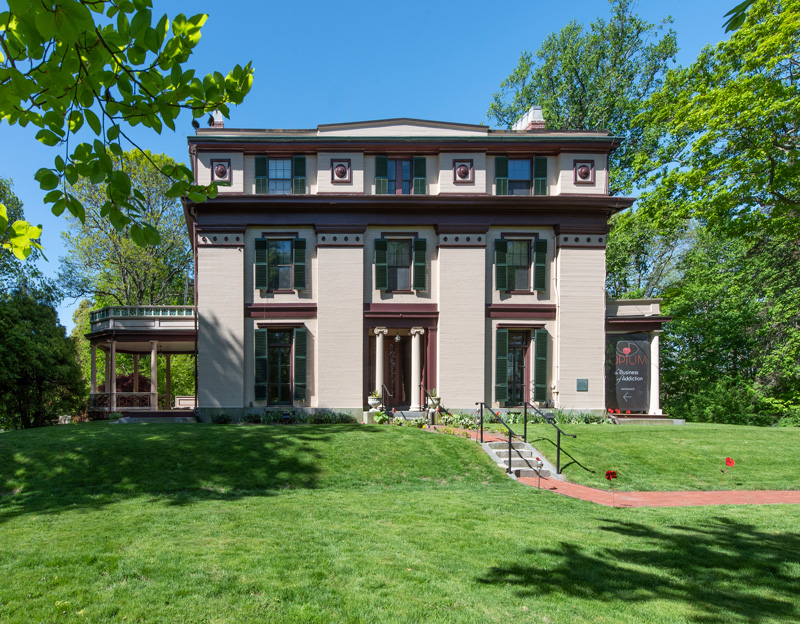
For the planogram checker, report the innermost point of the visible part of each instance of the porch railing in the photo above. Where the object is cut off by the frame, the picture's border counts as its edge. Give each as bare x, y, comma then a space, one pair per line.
139, 311
112, 401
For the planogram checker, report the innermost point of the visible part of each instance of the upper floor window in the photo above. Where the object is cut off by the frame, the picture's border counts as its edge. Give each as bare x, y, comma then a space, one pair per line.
518, 176
400, 176
280, 175
513, 264
400, 264
280, 264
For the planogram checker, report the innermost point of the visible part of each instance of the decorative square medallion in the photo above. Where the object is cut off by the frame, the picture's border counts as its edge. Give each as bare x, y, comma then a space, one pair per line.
340, 171
583, 172
221, 170
463, 172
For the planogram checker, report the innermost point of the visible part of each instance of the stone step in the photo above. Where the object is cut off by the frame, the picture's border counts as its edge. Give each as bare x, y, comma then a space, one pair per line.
504, 445
529, 472
154, 420
520, 454
520, 463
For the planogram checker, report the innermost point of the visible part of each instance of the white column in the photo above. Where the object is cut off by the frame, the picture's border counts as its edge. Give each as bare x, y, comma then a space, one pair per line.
136, 372
154, 375
107, 384
169, 383
416, 367
94, 369
655, 370
112, 355
380, 332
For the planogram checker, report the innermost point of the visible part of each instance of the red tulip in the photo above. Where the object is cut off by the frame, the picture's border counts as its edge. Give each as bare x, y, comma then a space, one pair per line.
729, 461
611, 474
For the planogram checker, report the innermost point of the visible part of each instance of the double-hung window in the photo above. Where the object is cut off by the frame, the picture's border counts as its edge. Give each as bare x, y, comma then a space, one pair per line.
511, 366
520, 176
280, 365
400, 264
514, 259
400, 176
280, 264
276, 176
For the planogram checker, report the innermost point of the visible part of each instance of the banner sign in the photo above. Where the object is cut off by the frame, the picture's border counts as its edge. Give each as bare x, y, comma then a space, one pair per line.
628, 372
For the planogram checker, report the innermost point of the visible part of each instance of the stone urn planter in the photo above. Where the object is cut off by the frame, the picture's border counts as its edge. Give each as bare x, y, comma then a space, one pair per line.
434, 401
374, 401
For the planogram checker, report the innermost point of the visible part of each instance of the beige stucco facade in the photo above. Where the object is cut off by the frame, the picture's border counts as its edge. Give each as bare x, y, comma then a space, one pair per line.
406, 289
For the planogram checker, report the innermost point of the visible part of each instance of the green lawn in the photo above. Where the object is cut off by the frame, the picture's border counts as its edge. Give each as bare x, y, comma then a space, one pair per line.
685, 457
170, 523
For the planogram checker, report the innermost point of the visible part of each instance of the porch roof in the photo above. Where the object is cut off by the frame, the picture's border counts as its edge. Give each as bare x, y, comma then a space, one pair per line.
134, 327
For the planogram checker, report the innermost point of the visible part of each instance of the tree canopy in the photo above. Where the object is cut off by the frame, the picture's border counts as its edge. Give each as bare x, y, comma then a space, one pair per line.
596, 78
83, 72
105, 264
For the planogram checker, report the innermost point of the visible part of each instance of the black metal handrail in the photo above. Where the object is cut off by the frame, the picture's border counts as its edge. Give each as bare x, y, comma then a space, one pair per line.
428, 397
550, 419
384, 392
511, 433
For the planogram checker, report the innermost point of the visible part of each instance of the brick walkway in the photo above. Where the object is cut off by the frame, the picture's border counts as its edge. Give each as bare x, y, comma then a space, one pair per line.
656, 499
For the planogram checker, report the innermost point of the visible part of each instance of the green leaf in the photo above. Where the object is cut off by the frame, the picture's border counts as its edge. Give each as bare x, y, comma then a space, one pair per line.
112, 133
75, 121
48, 137
93, 121
151, 234
47, 179
3, 219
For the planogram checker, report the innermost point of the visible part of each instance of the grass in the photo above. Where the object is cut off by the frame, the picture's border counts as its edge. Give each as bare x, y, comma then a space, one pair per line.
336, 523
673, 458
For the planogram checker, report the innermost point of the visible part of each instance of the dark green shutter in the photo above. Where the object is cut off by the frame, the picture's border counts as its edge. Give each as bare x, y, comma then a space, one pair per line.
501, 175
420, 277
381, 265
299, 263
500, 266
381, 175
540, 175
300, 363
299, 175
501, 365
540, 264
261, 264
261, 175
419, 175
540, 365
261, 365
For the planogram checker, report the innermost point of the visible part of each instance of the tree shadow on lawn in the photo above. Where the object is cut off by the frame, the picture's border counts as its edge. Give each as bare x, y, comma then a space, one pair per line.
722, 570
92, 466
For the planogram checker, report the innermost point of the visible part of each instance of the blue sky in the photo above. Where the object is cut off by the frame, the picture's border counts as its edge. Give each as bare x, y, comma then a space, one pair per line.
327, 62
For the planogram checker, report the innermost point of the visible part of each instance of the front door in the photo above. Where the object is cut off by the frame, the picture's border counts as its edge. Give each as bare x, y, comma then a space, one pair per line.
397, 372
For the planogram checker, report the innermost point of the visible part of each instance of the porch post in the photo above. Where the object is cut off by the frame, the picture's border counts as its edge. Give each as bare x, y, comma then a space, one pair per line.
94, 369
153, 375
168, 378
380, 332
136, 372
416, 367
113, 387
655, 370
107, 384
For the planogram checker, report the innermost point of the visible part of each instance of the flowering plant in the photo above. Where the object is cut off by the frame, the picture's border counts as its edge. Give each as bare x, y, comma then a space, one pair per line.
730, 464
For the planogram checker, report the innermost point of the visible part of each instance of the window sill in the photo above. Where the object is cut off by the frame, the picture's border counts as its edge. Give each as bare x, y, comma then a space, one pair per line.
264, 292
521, 292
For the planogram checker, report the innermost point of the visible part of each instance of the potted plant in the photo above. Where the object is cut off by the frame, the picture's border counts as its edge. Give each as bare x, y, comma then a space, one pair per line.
374, 399
433, 398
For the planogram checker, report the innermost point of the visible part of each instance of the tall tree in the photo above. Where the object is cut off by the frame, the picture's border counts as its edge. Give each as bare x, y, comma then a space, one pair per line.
84, 71
729, 160
41, 378
105, 265
595, 78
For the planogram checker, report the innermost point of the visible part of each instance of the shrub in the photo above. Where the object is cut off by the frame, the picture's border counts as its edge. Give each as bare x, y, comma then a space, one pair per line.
460, 420
419, 423
220, 419
380, 418
728, 401
253, 418
792, 419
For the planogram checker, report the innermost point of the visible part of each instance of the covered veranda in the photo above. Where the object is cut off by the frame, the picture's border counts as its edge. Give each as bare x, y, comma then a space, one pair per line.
141, 331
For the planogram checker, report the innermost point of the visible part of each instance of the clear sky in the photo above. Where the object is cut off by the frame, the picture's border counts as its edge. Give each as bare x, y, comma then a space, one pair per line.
326, 62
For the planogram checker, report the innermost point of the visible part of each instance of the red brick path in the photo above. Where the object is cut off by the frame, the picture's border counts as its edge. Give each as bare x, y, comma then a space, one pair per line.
656, 499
